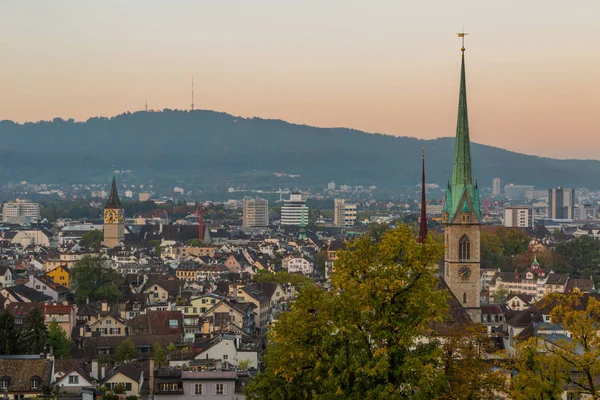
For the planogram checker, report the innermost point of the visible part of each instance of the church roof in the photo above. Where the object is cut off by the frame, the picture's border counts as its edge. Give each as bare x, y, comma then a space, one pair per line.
113, 198
461, 187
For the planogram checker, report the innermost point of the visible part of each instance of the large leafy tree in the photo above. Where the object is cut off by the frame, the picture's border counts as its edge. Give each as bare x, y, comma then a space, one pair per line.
58, 340
159, 353
91, 239
11, 341
582, 253
492, 250
92, 278
36, 332
361, 339
126, 351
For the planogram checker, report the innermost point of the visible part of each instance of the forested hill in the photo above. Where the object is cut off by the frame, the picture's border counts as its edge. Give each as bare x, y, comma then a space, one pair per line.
206, 146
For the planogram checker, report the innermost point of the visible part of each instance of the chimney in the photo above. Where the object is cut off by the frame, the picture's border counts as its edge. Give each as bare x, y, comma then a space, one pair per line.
104, 306
218, 365
94, 373
151, 382
102, 372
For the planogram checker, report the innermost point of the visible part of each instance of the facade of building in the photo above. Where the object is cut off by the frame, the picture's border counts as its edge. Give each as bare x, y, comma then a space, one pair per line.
518, 217
462, 216
561, 202
114, 219
188, 385
585, 211
344, 214
20, 212
255, 212
496, 187
294, 210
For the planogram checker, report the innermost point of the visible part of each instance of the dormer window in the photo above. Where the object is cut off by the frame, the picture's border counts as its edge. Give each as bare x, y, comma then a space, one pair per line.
4, 382
466, 217
35, 383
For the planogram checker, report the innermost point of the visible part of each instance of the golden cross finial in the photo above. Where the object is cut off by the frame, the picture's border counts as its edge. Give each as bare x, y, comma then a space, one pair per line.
423, 150
462, 36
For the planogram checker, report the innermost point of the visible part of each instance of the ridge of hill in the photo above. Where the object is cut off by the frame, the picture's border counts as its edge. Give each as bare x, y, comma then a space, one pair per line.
206, 147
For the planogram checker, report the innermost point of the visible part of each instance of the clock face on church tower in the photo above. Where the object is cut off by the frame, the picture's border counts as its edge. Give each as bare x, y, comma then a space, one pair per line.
464, 273
110, 216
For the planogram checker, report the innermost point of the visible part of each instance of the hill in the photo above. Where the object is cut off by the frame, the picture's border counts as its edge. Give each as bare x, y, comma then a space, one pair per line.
207, 147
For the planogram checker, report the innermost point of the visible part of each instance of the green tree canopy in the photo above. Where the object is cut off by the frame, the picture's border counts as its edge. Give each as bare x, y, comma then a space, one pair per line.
159, 353
91, 239
92, 278
11, 341
58, 340
359, 340
282, 277
581, 253
126, 351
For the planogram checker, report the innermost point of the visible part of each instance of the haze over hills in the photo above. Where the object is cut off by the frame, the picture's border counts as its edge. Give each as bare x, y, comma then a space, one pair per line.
207, 147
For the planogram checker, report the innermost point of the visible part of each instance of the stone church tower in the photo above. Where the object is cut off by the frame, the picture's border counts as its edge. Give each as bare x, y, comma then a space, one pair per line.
114, 219
462, 216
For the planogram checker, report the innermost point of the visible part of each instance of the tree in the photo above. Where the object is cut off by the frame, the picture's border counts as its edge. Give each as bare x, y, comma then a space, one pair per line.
194, 243
359, 340
36, 333
501, 293
320, 260
282, 277
159, 354
492, 250
466, 365
10, 336
581, 253
91, 239
126, 351
58, 340
92, 278
514, 241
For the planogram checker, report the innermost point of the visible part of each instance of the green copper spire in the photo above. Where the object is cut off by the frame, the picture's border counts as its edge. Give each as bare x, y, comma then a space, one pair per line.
462, 195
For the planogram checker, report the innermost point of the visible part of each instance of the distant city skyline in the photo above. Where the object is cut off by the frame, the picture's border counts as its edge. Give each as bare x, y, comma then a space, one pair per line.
389, 67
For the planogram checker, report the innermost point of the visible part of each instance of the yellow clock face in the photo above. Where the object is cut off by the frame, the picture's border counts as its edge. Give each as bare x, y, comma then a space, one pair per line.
110, 216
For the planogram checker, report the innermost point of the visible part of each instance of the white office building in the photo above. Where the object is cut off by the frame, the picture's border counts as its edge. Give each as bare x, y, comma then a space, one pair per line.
294, 210
20, 212
518, 217
496, 186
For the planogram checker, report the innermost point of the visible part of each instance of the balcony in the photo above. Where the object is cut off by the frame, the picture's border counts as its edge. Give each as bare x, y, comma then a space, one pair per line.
57, 318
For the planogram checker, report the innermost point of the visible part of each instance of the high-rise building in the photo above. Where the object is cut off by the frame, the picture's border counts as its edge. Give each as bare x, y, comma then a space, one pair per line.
496, 187
518, 217
560, 203
518, 192
255, 212
331, 186
20, 212
114, 219
344, 214
462, 216
294, 210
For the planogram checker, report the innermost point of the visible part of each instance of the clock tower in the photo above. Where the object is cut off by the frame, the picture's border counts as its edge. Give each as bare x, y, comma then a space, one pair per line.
114, 219
462, 216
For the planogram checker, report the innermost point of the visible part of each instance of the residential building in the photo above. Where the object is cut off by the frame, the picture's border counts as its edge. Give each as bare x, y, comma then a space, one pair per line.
255, 212
45, 285
6, 276
60, 275
20, 212
32, 238
518, 217
64, 314
25, 376
230, 349
297, 264
189, 385
73, 380
344, 214
294, 210
496, 187
127, 376
561, 202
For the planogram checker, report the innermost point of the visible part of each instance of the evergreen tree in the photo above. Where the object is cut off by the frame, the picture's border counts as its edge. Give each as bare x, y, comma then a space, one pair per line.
36, 333
58, 340
10, 336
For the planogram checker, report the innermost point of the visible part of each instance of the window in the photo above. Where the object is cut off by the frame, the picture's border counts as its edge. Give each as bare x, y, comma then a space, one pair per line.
115, 331
35, 383
464, 297
225, 356
219, 388
203, 301
195, 310
173, 323
4, 384
174, 387
155, 295
163, 387
464, 248
73, 379
164, 295
108, 322
198, 389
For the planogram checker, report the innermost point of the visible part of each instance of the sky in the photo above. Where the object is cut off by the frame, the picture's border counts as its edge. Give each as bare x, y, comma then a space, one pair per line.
385, 66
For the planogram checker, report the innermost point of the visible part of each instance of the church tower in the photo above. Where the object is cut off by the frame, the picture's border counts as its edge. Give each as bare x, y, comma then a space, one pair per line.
462, 215
114, 219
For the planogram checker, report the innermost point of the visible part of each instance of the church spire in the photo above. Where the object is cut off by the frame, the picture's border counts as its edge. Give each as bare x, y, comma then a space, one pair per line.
113, 198
462, 178
423, 227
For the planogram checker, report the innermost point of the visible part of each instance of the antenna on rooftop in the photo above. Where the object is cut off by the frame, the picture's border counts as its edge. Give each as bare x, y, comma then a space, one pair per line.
192, 93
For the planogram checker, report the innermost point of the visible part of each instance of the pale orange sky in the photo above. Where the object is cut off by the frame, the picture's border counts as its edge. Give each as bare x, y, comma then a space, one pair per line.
384, 66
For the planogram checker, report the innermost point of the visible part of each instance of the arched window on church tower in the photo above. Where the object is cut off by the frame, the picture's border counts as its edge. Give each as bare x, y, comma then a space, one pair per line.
464, 297
464, 248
